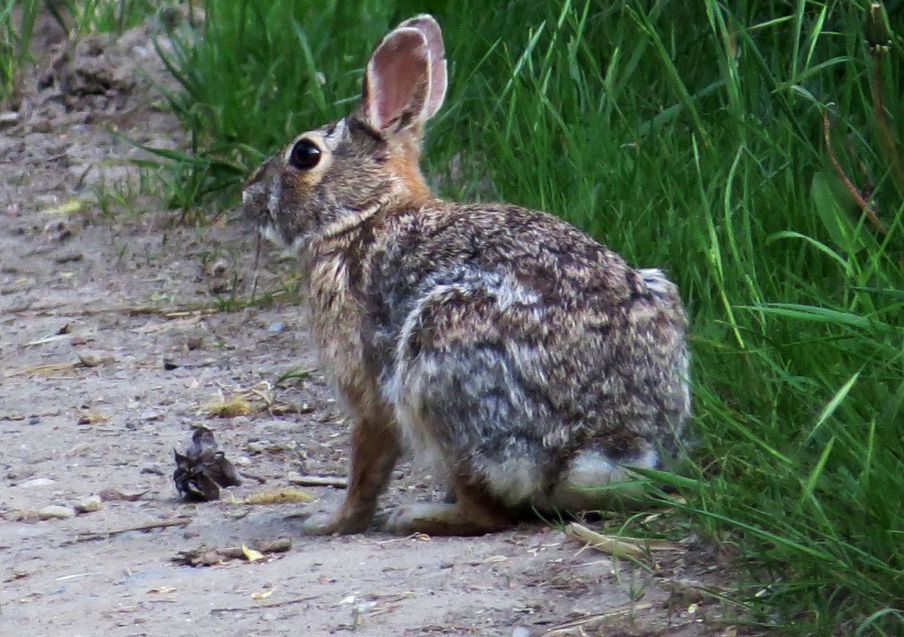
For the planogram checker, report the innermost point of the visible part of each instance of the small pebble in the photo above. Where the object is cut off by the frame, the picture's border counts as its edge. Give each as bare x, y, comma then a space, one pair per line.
88, 505
275, 328
8, 118
90, 359
36, 482
56, 512
69, 257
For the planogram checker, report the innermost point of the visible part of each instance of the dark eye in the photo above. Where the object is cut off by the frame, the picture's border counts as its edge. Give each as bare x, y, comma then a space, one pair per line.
305, 155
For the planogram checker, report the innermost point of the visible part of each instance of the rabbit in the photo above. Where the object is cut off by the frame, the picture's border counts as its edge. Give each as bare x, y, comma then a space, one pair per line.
523, 361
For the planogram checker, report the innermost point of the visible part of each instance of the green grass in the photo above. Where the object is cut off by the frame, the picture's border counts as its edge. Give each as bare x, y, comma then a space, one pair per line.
87, 16
16, 26
685, 135
17, 23
689, 136
103, 16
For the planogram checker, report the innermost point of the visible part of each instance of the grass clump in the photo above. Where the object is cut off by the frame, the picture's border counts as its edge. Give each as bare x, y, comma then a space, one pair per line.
107, 16
17, 21
281, 65
753, 149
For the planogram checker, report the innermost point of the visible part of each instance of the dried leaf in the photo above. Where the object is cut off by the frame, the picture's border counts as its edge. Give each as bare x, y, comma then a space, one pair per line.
277, 496
207, 556
65, 208
230, 408
618, 546
251, 555
262, 594
201, 556
47, 368
93, 359
115, 495
93, 416
50, 339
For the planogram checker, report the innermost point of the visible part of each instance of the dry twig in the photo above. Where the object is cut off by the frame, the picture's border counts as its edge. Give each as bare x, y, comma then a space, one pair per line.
242, 609
147, 526
320, 481
848, 184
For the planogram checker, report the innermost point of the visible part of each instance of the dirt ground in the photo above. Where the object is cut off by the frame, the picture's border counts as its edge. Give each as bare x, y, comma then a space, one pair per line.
113, 345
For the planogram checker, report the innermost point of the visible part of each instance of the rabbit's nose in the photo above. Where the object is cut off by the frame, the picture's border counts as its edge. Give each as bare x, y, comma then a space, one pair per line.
255, 202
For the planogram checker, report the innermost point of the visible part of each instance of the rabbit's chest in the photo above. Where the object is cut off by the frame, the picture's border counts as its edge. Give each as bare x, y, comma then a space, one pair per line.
338, 324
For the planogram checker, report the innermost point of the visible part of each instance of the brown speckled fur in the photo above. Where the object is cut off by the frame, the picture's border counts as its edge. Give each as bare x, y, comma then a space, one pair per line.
502, 345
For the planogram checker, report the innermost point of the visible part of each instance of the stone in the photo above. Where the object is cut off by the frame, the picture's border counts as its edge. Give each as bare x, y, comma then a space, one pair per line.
35, 483
89, 504
56, 512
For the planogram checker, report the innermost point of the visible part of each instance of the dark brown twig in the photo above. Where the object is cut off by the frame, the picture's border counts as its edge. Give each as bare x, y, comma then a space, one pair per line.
257, 261
147, 526
879, 39
242, 609
848, 184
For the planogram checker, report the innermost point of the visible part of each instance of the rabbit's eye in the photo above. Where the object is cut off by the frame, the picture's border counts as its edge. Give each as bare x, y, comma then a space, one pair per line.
305, 155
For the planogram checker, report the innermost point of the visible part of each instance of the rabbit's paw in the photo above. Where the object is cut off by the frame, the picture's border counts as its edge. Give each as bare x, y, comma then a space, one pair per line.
330, 523
441, 518
322, 523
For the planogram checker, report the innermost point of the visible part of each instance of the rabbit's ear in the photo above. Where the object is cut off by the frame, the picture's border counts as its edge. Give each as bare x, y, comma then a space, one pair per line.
397, 82
429, 27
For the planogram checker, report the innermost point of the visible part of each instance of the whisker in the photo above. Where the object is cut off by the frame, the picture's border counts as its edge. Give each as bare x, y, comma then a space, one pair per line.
257, 260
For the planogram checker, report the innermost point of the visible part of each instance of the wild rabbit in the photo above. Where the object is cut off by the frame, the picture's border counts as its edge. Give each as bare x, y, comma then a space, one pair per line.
524, 361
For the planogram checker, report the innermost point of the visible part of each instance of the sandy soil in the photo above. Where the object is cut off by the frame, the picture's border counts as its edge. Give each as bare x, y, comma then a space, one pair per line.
112, 348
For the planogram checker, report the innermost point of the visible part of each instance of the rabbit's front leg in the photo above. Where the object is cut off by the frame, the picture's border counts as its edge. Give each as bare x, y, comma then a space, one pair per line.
375, 449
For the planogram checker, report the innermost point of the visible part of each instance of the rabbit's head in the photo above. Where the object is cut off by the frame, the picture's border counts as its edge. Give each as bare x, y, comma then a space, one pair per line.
365, 160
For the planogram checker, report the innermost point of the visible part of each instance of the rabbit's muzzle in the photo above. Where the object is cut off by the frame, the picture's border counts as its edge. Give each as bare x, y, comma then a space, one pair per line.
260, 200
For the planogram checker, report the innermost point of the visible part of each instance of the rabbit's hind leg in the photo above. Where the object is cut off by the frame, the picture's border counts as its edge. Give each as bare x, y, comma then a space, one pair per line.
473, 513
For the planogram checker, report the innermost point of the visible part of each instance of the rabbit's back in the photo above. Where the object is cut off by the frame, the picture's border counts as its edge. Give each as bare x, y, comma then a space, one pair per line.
506, 343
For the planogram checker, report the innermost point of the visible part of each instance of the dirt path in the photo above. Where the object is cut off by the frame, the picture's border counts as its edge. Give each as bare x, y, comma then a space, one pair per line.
88, 406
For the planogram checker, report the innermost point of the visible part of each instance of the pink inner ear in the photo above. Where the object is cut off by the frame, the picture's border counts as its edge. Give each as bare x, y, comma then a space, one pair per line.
434, 36
398, 77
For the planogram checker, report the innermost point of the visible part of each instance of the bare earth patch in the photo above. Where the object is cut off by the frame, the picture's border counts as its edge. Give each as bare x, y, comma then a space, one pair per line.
112, 348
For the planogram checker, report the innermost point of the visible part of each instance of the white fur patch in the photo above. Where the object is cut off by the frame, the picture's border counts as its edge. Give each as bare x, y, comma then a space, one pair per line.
594, 469
583, 487
657, 281
514, 481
